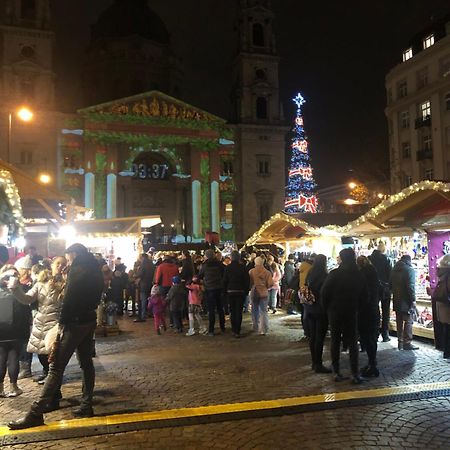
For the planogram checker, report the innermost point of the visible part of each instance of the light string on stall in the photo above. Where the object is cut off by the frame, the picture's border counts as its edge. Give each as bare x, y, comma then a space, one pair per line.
300, 197
13, 199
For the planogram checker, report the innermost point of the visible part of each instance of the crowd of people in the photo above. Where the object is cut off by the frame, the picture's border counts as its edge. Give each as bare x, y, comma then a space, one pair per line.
187, 293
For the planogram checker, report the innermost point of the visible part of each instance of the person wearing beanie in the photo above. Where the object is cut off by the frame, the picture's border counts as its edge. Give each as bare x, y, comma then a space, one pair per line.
441, 307
236, 284
260, 282
403, 286
342, 294
383, 267
211, 273
177, 300
77, 323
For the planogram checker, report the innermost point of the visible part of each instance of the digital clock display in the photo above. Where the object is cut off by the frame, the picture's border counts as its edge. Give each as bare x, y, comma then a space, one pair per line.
151, 172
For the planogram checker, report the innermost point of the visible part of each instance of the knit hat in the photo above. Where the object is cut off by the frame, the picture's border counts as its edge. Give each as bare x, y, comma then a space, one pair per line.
235, 255
23, 263
176, 280
209, 253
155, 290
406, 259
347, 256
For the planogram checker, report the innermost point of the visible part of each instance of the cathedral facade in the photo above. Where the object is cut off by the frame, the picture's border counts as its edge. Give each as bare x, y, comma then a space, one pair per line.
138, 149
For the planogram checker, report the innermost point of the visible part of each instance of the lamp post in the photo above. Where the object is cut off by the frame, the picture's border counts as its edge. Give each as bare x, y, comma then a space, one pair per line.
23, 114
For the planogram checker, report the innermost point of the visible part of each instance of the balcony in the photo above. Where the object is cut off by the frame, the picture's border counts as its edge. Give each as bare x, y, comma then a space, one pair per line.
424, 121
426, 153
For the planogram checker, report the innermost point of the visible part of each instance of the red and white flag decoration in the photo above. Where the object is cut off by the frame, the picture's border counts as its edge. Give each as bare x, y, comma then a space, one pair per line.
303, 203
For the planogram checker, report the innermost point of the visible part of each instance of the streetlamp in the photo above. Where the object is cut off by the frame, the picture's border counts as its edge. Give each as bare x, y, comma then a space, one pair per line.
25, 115
45, 178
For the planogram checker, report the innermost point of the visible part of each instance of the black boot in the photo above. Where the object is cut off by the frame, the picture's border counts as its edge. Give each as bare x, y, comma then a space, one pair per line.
28, 421
83, 411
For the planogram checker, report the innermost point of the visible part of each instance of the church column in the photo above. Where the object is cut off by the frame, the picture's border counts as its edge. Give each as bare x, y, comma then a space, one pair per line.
89, 187
196, 194
215, 201
196, 209
111, 183
111, 196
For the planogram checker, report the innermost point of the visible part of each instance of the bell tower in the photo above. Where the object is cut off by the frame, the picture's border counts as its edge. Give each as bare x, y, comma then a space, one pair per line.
26, 53
256, 89
258, 115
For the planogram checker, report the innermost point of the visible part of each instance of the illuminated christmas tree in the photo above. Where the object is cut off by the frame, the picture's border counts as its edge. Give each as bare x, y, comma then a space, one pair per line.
300, 188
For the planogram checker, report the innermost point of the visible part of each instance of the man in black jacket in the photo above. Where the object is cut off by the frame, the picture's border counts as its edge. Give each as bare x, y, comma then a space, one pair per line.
343, 291
236, 284
77, 325
383, 267
211, 273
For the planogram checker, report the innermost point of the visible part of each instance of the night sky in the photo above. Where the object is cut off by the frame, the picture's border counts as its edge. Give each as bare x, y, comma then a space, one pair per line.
337, 53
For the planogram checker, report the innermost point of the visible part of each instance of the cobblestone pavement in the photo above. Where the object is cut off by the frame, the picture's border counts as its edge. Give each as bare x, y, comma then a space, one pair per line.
140, 371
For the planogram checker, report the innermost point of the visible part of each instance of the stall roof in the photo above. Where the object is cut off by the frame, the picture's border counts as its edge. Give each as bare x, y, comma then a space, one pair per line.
281, 228
37, 201
115, 227
422, 205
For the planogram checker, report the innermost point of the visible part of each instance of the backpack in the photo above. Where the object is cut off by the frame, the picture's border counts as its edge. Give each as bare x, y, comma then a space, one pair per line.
306, 296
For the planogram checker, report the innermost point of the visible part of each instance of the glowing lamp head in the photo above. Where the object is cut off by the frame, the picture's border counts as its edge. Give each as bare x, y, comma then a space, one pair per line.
352, 185
25, 114
380, 195
45, 178
350, 201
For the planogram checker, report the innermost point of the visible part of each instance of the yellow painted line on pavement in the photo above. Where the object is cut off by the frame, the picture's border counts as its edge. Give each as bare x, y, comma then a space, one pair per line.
214, 410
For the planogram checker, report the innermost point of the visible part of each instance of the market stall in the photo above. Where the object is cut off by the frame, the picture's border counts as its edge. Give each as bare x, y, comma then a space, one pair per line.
296, 236
415, 221
112, 238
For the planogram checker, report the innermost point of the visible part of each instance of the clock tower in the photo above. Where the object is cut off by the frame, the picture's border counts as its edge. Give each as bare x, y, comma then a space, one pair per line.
260, 127
26, 56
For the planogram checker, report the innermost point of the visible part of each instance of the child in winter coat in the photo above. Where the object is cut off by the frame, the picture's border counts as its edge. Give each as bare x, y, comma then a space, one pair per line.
177, 298
158, 304
195, 307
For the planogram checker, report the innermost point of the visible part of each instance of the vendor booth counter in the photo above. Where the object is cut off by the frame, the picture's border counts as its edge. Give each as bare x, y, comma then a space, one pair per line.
414, 221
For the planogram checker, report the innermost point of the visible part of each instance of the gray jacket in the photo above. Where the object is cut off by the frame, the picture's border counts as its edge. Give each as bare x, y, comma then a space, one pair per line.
49, 297
402, 284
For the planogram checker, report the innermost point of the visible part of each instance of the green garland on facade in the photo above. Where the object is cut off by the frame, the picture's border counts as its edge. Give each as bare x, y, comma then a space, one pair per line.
143, 140
162, 122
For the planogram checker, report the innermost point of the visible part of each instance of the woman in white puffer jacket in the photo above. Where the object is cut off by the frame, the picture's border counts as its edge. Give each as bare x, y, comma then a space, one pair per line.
48, 292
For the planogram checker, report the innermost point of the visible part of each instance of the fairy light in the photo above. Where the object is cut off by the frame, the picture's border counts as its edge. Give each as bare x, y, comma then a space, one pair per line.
13, 198
301, 185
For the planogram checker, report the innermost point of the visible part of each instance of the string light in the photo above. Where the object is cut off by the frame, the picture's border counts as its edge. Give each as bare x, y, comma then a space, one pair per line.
13, 198
301, 185
263, 235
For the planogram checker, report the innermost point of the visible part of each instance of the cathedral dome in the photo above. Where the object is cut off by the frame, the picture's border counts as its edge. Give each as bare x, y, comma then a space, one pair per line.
126, 18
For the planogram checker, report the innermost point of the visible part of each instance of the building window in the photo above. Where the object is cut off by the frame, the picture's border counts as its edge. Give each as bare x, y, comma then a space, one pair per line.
422, 78
263, 137
228, 213
425, 110
407, 54
428, 174
27, 89
406, 181
258, 35
406, 150
261, 108
260, 75
428, 41
447, 102
445, 67
227, 168
426, 142
402, 89
28, 9
404, 119
263, 166
264, 212
26, 157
